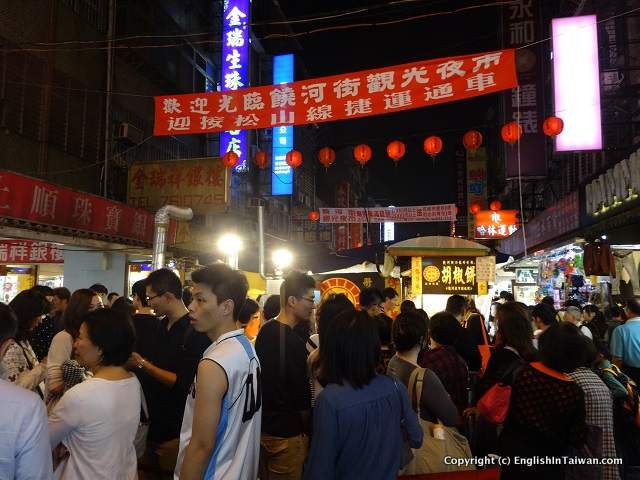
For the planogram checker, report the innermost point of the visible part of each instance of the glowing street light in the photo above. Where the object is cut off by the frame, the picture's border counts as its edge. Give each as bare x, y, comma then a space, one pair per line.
230, 244
282, 259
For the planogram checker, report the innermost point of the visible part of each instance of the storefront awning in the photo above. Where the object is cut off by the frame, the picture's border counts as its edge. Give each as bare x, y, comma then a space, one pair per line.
438, 246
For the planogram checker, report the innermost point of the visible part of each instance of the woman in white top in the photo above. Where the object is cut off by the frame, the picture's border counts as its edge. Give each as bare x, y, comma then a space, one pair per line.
20, 363
81, 302
96, 421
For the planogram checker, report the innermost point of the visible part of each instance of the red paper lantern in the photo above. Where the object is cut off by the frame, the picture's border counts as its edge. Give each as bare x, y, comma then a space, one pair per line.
327, 156
314, 216
553, 126
495, 205
456, 210
472, 140
475, 208
362, 154
294, 158
230, 159
511, 132
261, 160
433, 145
396, 150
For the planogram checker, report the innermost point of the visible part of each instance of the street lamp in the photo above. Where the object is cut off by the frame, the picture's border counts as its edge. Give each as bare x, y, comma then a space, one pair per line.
230, 244
282, 258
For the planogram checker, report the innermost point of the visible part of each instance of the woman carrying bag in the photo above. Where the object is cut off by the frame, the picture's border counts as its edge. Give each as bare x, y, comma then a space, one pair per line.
437, 413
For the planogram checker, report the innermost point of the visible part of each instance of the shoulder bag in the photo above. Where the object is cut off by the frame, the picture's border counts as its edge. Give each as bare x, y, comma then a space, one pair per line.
439, 442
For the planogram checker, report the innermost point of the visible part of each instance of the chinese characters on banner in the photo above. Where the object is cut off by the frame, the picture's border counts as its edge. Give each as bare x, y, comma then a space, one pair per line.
425, 213
201, 184
416, 276
523, 25
27, 251
486, 269
354, 95
560, 218
499, 224
235, 68
26, 198
449, 275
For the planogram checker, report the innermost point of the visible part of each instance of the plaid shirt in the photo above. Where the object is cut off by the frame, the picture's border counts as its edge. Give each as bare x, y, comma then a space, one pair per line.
452, 371
599, 407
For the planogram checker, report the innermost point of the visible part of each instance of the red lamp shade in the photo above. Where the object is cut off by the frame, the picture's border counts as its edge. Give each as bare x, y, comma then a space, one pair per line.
433, 145
511, 132
294, 158
261, 160
230, 159
396, 150
327, 156
553, 126
314, 216
475, 208
362, 154
472, 140
495, 205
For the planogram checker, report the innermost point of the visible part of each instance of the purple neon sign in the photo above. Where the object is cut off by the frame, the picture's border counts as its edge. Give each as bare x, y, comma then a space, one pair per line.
235, 61
576, 82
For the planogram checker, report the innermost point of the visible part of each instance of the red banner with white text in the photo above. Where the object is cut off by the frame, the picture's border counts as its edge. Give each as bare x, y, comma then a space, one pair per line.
338, 97
26, 198
27, 251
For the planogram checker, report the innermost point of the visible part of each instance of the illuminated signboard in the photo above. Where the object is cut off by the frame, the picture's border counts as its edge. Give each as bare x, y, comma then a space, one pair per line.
449, 275
281, 173
235, 62
498, 224
576, 82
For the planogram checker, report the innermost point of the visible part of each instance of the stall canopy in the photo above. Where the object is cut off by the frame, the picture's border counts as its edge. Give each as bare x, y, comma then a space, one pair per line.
438, 246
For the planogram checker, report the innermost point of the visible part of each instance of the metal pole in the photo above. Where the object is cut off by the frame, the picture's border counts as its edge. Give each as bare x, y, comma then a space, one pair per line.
107, 106
261, 239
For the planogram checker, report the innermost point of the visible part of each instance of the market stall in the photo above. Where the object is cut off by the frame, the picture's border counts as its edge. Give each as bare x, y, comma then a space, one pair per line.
443, 266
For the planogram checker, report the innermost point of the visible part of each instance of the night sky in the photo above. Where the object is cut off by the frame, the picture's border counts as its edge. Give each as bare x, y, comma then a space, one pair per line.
415, 181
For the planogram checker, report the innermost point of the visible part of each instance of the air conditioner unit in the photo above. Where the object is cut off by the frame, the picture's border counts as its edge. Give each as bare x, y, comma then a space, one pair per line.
126, 131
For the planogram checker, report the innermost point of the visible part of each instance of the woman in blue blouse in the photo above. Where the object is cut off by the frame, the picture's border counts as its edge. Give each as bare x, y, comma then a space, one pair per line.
357, 417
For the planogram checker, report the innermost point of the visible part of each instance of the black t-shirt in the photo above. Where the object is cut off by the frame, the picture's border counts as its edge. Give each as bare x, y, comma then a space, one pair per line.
147, 330
285, 381
42, 335
177, 350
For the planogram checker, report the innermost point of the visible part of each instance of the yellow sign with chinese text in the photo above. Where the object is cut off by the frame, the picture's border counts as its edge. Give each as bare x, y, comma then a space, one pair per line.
416, 275
201, 184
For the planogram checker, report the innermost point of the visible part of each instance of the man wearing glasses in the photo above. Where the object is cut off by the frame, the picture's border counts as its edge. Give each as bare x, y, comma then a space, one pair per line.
167, 373
286, 396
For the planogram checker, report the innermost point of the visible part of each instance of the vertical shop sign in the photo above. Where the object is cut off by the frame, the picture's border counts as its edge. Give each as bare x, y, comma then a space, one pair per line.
235, 63
416, 275
523, 26
342, 230
281, 173
476, 184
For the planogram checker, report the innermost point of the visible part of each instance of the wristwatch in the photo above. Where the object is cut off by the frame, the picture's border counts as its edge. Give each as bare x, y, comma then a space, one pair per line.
141, 364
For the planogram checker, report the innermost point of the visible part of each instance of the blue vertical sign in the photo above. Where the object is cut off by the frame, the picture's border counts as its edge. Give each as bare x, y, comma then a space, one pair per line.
281, 173
235, 61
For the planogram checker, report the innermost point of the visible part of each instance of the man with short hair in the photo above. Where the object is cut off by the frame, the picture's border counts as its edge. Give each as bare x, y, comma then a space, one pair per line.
371, 301
101, 291
111, 298
574, 315
225, 397
167, 373
24, 449
625, 342
146, 323
286, 388
390, 300
470, 336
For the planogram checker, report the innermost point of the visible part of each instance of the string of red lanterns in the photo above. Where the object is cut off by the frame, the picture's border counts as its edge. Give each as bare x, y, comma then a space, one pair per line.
511, 133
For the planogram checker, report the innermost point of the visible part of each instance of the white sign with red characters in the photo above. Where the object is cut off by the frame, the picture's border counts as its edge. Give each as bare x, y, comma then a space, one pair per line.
424, 213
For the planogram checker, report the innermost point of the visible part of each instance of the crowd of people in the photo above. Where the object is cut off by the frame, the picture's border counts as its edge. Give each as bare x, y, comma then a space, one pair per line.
206, 383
